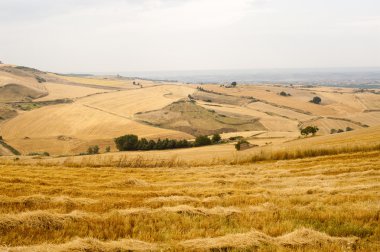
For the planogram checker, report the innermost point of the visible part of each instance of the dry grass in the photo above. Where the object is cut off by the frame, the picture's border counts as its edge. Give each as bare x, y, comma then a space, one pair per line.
328, 203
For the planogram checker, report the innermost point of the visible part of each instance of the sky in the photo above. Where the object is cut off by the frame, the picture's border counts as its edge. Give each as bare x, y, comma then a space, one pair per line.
168, 35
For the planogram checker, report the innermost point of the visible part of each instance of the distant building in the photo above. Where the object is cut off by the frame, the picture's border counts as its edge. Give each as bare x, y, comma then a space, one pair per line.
244, 146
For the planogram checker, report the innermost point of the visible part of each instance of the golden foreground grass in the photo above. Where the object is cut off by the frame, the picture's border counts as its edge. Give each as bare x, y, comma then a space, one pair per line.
328, 203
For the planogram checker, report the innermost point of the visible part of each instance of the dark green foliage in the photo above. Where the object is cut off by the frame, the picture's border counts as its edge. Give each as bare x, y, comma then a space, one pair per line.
127, 142
93, 150
234, 83
284, 94
316, 100
108, 148
202, 141
216, 138
131, 142
310, 130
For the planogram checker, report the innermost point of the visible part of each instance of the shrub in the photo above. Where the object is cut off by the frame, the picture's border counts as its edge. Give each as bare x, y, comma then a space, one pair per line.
216, 138
234, 83
340, 131
309, 130
285, 94
93, 150
333, 131
316, 100
202, 141
108, 148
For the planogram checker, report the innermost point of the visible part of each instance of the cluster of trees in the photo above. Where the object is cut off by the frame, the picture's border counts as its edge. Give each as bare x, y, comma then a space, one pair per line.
309, 130
132, 142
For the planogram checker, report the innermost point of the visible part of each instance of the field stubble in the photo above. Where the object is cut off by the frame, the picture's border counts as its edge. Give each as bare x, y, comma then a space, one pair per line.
327, 203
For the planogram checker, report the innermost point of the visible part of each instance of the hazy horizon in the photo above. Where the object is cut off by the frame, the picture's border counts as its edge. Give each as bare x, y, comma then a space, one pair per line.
189, 35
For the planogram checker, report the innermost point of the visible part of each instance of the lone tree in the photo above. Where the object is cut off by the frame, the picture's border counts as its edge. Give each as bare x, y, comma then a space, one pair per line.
234, 83
316, 100
309, 130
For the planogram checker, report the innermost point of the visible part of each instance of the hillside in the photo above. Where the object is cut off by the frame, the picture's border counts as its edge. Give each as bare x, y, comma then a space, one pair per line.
65, 114
191, 118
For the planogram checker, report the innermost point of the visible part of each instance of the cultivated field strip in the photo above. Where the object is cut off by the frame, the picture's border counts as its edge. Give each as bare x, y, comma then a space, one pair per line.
319, 204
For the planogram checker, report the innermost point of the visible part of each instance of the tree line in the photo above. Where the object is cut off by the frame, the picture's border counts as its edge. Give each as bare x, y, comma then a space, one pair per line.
132, 142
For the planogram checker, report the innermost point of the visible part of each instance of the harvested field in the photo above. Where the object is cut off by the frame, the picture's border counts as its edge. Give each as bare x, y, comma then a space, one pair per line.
276, 205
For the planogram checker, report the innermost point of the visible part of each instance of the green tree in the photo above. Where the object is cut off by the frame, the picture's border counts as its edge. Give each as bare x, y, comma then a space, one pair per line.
216, 138
309, 130
108, 148
127, 142
316, 100
202, 141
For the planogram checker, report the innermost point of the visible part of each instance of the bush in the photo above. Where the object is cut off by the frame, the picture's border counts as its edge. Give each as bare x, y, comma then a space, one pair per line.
316, 100
93, 150
216, 138
340, 131
202, 141
333, 131
234, 83
284, 94
309, 130
108, 148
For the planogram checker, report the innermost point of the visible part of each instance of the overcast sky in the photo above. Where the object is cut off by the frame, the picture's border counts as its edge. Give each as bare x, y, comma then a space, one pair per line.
145, 35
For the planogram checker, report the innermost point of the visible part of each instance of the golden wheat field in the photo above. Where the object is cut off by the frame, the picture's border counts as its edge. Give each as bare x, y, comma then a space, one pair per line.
316, 204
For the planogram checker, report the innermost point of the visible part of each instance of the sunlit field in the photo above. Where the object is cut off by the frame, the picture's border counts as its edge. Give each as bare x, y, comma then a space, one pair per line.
328, 203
